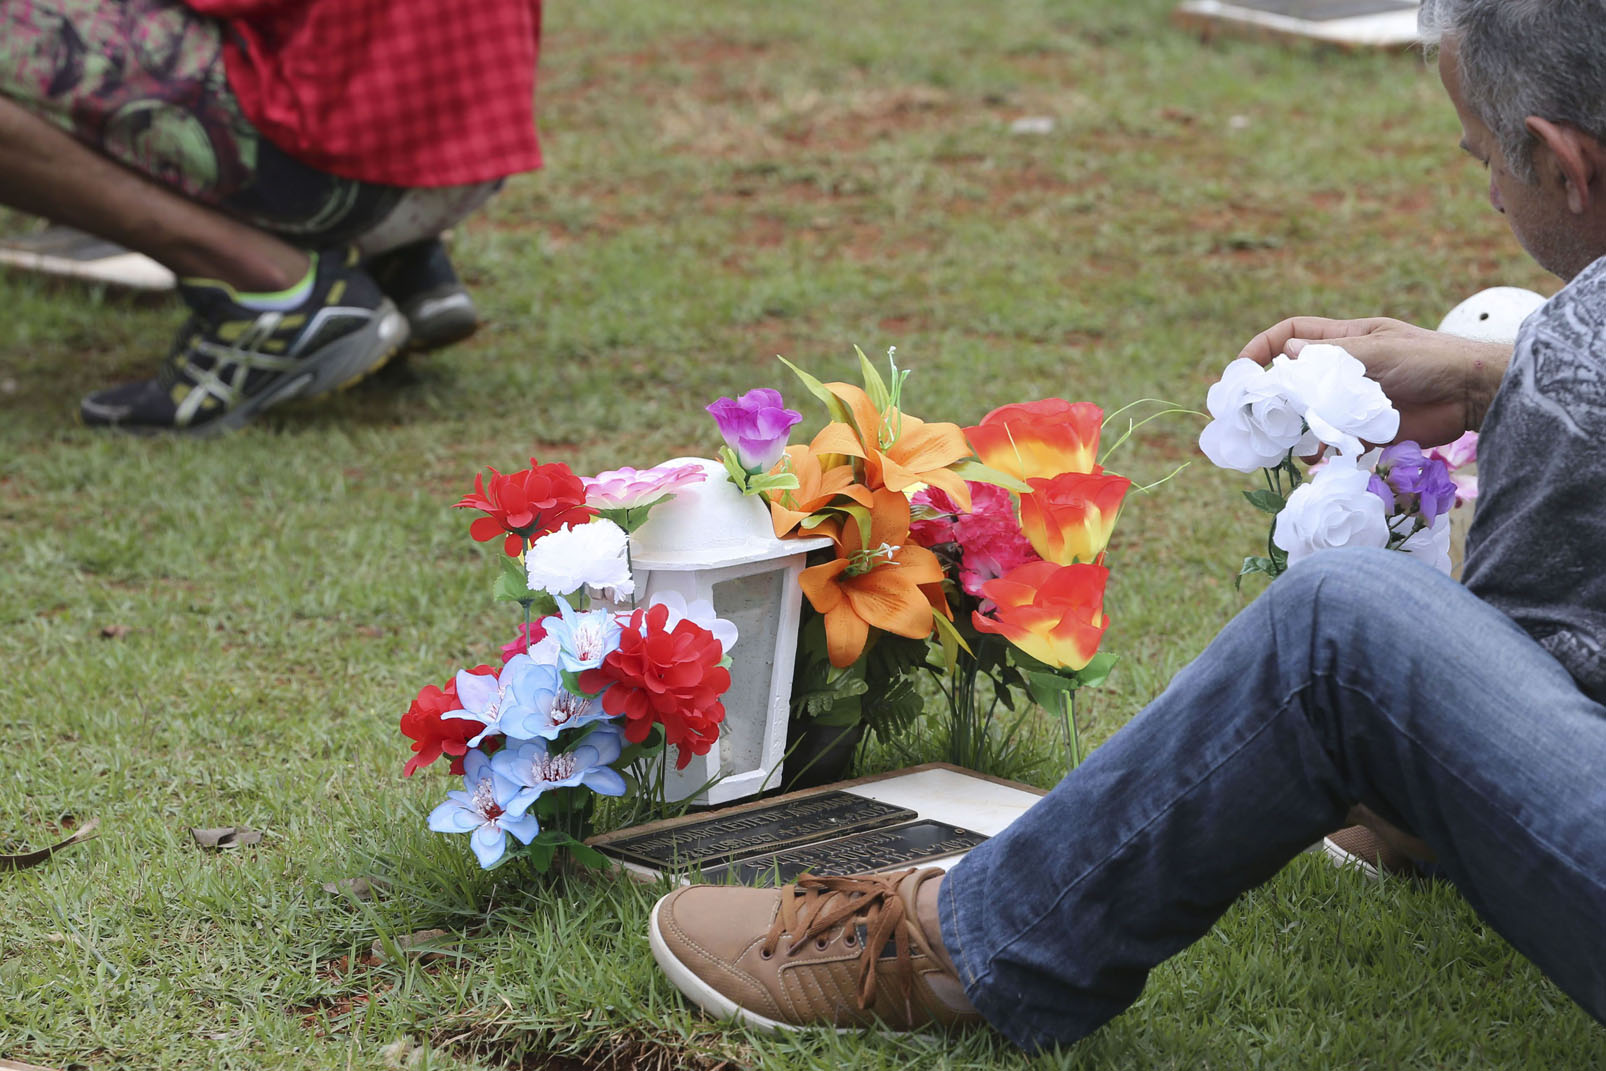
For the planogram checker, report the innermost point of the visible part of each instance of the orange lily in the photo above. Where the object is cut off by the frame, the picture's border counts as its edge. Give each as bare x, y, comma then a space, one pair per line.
818, 484
1055, 613
920, 453
873, 584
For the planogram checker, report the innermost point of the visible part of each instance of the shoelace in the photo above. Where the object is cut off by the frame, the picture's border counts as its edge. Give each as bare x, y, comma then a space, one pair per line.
820, 905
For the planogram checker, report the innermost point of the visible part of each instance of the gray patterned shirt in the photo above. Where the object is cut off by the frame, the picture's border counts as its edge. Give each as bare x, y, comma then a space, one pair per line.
1537, 548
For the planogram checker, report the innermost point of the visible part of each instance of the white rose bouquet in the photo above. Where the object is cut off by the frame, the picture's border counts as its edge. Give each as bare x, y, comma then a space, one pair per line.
1265, 418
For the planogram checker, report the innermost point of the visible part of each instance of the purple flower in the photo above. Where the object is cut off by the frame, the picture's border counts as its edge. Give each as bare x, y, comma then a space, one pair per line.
1380, 487
1427, 479
756, 426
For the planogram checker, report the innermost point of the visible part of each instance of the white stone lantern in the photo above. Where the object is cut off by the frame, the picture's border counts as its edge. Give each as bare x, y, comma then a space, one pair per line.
712, 542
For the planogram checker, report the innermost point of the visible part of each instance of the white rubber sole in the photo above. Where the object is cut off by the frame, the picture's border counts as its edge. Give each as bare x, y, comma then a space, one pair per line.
1345, 860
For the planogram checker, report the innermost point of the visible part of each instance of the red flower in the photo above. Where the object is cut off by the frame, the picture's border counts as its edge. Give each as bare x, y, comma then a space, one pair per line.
672, 679
433, 734
526, 504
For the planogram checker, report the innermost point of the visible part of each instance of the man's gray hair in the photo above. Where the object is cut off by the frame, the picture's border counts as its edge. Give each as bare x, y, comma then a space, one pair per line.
1526, 57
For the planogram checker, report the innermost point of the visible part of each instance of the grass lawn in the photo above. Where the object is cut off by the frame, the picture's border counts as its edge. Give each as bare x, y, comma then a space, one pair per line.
221, 633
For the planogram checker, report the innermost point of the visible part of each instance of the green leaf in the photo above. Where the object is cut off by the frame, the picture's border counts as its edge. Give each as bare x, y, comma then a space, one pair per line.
975, 470
1256, 565
874, 385
1096, 671
950, 638
780, 481
1046, 688
733, 467
839, 412
1266, 501
512, 583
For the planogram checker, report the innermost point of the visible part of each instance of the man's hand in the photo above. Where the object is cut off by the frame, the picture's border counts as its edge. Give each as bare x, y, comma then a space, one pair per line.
1441, 384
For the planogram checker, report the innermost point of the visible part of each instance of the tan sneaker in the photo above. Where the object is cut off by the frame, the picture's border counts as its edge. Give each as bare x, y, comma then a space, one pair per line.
826, 952
1360, 847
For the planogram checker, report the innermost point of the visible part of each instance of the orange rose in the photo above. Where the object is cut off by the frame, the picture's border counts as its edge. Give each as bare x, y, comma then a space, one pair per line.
1029, 440
1055, 613
1069, 518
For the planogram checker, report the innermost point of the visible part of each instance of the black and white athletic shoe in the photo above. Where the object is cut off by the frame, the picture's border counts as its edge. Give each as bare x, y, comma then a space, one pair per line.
230, 362
420, 279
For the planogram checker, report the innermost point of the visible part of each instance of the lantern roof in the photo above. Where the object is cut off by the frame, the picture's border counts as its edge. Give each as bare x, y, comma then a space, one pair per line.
710, 525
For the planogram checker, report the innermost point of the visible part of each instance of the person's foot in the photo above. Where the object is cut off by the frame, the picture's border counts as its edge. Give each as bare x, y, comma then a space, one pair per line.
1365, 850
826, 952
231, 361
420, 279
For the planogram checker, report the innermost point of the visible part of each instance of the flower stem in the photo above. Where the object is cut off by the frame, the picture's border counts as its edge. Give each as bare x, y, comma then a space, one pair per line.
1068, 718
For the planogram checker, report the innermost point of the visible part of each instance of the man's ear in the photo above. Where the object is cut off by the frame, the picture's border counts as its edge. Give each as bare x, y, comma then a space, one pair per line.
1579, 157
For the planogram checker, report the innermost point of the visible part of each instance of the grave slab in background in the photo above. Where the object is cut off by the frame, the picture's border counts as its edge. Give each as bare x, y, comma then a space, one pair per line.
924, 816
1348, 23
73, 254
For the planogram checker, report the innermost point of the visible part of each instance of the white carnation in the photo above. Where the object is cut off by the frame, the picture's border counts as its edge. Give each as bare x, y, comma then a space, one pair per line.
1255, 424
1332, 509
577, 556
1341, 406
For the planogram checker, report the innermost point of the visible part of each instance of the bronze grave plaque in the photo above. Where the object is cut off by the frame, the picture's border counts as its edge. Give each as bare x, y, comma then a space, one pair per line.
858, 853
721, 838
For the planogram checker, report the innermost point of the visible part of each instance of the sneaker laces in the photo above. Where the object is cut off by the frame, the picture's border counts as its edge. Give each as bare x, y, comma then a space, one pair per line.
819, 906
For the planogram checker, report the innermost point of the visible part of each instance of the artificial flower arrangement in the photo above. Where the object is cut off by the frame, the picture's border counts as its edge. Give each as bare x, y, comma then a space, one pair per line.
593, 690
1397, 497
959, 552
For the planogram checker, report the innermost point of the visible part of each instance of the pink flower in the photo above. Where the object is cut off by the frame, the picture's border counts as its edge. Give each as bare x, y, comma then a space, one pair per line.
933, 516
629, 488
530, 633
990, 537
1462, 452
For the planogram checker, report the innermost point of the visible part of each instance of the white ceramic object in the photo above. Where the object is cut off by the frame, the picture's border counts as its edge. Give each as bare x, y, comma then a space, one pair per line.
1492, 315
711, 542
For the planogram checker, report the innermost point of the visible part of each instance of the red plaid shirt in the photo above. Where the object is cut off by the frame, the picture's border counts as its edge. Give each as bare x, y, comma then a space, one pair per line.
402, 92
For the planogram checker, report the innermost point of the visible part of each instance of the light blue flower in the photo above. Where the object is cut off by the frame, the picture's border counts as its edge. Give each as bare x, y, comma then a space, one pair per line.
536, 769
502, 702
584, 638
556, 709
483, 807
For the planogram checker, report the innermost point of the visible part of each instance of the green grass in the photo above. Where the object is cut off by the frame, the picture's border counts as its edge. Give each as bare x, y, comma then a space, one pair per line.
726, 181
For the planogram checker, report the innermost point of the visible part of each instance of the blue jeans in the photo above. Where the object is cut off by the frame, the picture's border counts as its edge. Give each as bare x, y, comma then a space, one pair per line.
1359, 677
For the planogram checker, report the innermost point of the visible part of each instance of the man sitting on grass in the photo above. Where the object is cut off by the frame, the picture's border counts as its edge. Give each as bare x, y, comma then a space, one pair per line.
294, 162
1470, 716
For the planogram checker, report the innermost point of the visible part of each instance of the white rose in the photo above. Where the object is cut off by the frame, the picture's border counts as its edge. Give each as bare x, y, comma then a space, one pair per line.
1341, 406
1332, 509
1430, 544
576, 556
1255, 424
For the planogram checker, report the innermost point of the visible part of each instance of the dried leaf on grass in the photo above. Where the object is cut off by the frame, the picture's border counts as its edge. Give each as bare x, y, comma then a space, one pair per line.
29, 859
226, 837
114, 632
17, 1065
418, 941
362, 887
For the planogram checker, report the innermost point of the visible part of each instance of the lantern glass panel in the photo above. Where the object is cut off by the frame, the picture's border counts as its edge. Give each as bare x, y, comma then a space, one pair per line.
749, 602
